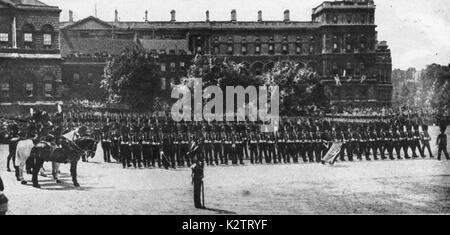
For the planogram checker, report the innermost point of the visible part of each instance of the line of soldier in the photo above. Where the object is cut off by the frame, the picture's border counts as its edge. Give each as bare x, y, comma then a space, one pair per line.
143, 143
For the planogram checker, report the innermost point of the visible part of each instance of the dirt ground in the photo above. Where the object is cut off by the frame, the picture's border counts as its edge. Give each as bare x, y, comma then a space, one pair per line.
377, 187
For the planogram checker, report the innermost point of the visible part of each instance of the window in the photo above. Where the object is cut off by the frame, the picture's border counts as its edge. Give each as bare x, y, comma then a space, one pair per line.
85, 35
216, 50
48, 89
172, 67
29, 88
285, 48
335, 20
258, 49
244, 38
4, 37
298, 50
90, 78
162, 52
271, 49
76, 78
244, 49
47, 39
28, 37
163, 67
311, 50
285, 38
5, 89
182, 65
230, 49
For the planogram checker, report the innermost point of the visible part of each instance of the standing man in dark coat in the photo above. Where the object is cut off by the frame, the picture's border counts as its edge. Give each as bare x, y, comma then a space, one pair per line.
106, 143
197, 180
3, 199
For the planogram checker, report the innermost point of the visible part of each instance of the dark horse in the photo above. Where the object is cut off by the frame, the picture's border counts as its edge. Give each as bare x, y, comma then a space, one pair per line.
69, 152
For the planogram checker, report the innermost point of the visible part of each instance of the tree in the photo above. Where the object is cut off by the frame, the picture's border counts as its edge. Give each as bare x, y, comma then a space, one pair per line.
222, 72
132, 78
299, 87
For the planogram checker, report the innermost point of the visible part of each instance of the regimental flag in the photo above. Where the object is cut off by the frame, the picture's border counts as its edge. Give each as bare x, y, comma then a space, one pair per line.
333, 153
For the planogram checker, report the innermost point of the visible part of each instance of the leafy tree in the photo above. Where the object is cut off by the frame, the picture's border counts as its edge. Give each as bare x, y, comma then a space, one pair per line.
299, 87
222, 72
132, 78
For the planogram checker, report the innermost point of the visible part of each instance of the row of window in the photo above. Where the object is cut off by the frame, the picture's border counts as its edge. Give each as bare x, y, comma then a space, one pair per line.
28, 39
271, 49
29, 89
285, 38
172, 66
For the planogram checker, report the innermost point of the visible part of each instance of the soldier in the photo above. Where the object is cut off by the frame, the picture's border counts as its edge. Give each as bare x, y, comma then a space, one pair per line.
106, 143
253, 145
217, 147
441, 142
125, 150
146, 147
425, 138
291, 149
379, 143
239, 150
388, 142
197, 180
208, 149
263, 149
373, 142
272, 142
176, 148
282, 148
136, 149
404, 141
396, 142
416, 142
115, 145
184, 149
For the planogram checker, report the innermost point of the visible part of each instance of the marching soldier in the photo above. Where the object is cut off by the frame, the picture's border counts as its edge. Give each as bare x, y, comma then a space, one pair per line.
397, 142
416, 142
389, 142
379, 142
146, 147
271, 142
425, 138
404, 141
262, 147
115, 145
373, 142
228, 149
197, 180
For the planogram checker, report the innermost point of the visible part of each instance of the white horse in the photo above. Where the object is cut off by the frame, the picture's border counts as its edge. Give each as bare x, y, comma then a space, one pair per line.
23, 152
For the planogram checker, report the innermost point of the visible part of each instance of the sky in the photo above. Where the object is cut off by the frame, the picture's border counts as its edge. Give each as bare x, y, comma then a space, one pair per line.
417, 31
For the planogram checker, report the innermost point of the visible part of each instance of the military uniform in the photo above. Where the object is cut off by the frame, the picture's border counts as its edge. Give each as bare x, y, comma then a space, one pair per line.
106, 143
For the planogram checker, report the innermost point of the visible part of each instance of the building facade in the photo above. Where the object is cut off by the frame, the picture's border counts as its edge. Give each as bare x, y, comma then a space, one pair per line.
339, 43
30, 59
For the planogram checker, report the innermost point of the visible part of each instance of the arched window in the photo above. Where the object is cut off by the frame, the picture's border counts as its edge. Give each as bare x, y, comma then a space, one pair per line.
47, 34
28, 36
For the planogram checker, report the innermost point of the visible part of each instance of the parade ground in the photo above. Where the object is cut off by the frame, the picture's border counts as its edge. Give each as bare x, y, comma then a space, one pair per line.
420, 186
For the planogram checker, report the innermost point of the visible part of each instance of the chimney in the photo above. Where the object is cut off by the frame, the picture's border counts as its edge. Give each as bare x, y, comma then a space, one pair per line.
116, 16
172, 16
207, 16
233, 15
260, 16
146, 16
286, 16
70, 16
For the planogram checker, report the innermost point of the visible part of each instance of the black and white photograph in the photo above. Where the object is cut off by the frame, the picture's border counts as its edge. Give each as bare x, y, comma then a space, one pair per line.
224, 107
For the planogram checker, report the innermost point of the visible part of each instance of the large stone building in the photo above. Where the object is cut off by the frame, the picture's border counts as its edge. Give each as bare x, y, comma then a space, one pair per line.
340, 42
30, 59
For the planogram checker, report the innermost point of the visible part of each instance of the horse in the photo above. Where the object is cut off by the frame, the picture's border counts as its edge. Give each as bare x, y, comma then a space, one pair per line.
69, 152
23, 152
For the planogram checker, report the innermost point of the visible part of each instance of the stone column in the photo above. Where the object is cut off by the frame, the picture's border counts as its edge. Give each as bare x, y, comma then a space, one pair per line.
14, 33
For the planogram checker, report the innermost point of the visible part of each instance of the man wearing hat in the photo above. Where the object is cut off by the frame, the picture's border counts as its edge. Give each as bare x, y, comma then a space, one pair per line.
441, 142
425, 139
